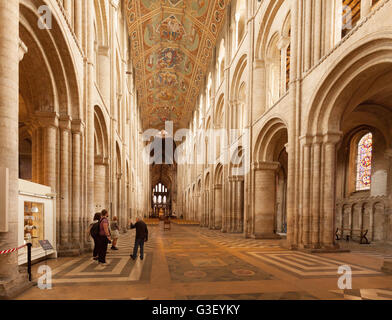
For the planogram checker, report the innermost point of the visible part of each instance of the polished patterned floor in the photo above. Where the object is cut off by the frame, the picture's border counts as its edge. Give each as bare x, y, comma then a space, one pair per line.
188, 262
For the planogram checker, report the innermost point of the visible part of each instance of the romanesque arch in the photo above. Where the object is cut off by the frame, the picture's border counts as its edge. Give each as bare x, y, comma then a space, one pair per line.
270, 171
238, 100
58, 90
50, 106
354, 94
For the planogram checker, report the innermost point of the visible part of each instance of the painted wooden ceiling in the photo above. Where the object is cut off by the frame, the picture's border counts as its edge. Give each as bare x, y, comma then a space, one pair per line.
172, 43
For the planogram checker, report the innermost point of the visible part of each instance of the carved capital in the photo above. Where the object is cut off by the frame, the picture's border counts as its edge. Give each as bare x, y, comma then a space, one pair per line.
317, 139
261, 165
306, 141
101, 160
65, 122
236, 178
78, 126
103, 51
332, 137
47, 118
259, 64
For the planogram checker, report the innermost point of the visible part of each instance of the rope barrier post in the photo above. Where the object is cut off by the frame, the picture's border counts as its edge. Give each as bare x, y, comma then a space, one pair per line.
29, 245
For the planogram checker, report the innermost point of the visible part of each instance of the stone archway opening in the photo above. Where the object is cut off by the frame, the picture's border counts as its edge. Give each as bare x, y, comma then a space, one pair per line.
236, 207
270, 173
351, 103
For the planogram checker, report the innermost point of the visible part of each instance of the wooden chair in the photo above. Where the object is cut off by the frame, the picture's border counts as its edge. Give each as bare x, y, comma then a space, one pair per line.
166, 224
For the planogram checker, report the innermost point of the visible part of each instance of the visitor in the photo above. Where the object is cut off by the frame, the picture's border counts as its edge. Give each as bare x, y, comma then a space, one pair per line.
115, 232
104, 238
96, 219
140, 238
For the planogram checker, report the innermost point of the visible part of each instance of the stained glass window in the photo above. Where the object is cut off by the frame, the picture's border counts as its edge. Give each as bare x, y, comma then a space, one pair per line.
364, 162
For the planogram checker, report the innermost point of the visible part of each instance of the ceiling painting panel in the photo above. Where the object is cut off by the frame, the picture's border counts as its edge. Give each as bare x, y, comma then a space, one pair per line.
172, 44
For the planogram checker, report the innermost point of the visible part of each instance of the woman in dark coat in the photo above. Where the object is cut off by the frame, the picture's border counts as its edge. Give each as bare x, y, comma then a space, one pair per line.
97, 218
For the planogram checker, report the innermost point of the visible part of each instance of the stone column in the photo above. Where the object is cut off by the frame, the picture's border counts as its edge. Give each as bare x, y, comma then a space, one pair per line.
308, 34
225, 206
218, 207
306, 192
118, 201
315, 232
77, 129
238, 204
210, 210
103, 69
192, 207
78, 19
36, 141
318, 21
90, 109
200, 205
203, 201
230, 205
49, 122
265, 194
293, 114
207, 208
330, 141
11, 281
201, 210
68, 9
366, 8
65, 127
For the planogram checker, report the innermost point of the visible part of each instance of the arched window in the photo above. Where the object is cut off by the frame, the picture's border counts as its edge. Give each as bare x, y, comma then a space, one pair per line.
273, 71
351, 13
364, 162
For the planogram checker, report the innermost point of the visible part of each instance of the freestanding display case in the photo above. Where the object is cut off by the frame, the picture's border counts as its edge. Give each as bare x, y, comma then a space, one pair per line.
37, 219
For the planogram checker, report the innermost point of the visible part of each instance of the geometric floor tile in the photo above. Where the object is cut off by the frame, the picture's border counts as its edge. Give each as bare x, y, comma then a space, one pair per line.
304, 265
121, 270
211, 267
201, 264
236, 241
373, 254
364, 294
257, 296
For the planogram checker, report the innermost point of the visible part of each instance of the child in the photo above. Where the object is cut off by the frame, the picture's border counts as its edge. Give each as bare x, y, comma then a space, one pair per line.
114, 229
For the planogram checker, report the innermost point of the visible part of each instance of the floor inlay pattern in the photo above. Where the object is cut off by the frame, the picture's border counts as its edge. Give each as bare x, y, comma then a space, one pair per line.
187, 262
303, 265
235, 241
120, 269
257, 296
211, 266
373, 254
364, 294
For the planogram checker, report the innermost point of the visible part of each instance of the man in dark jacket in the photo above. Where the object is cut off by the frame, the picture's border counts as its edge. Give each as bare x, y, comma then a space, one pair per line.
141, 237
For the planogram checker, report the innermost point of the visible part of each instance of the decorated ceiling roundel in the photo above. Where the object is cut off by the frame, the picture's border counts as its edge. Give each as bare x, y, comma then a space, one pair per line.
172, 44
